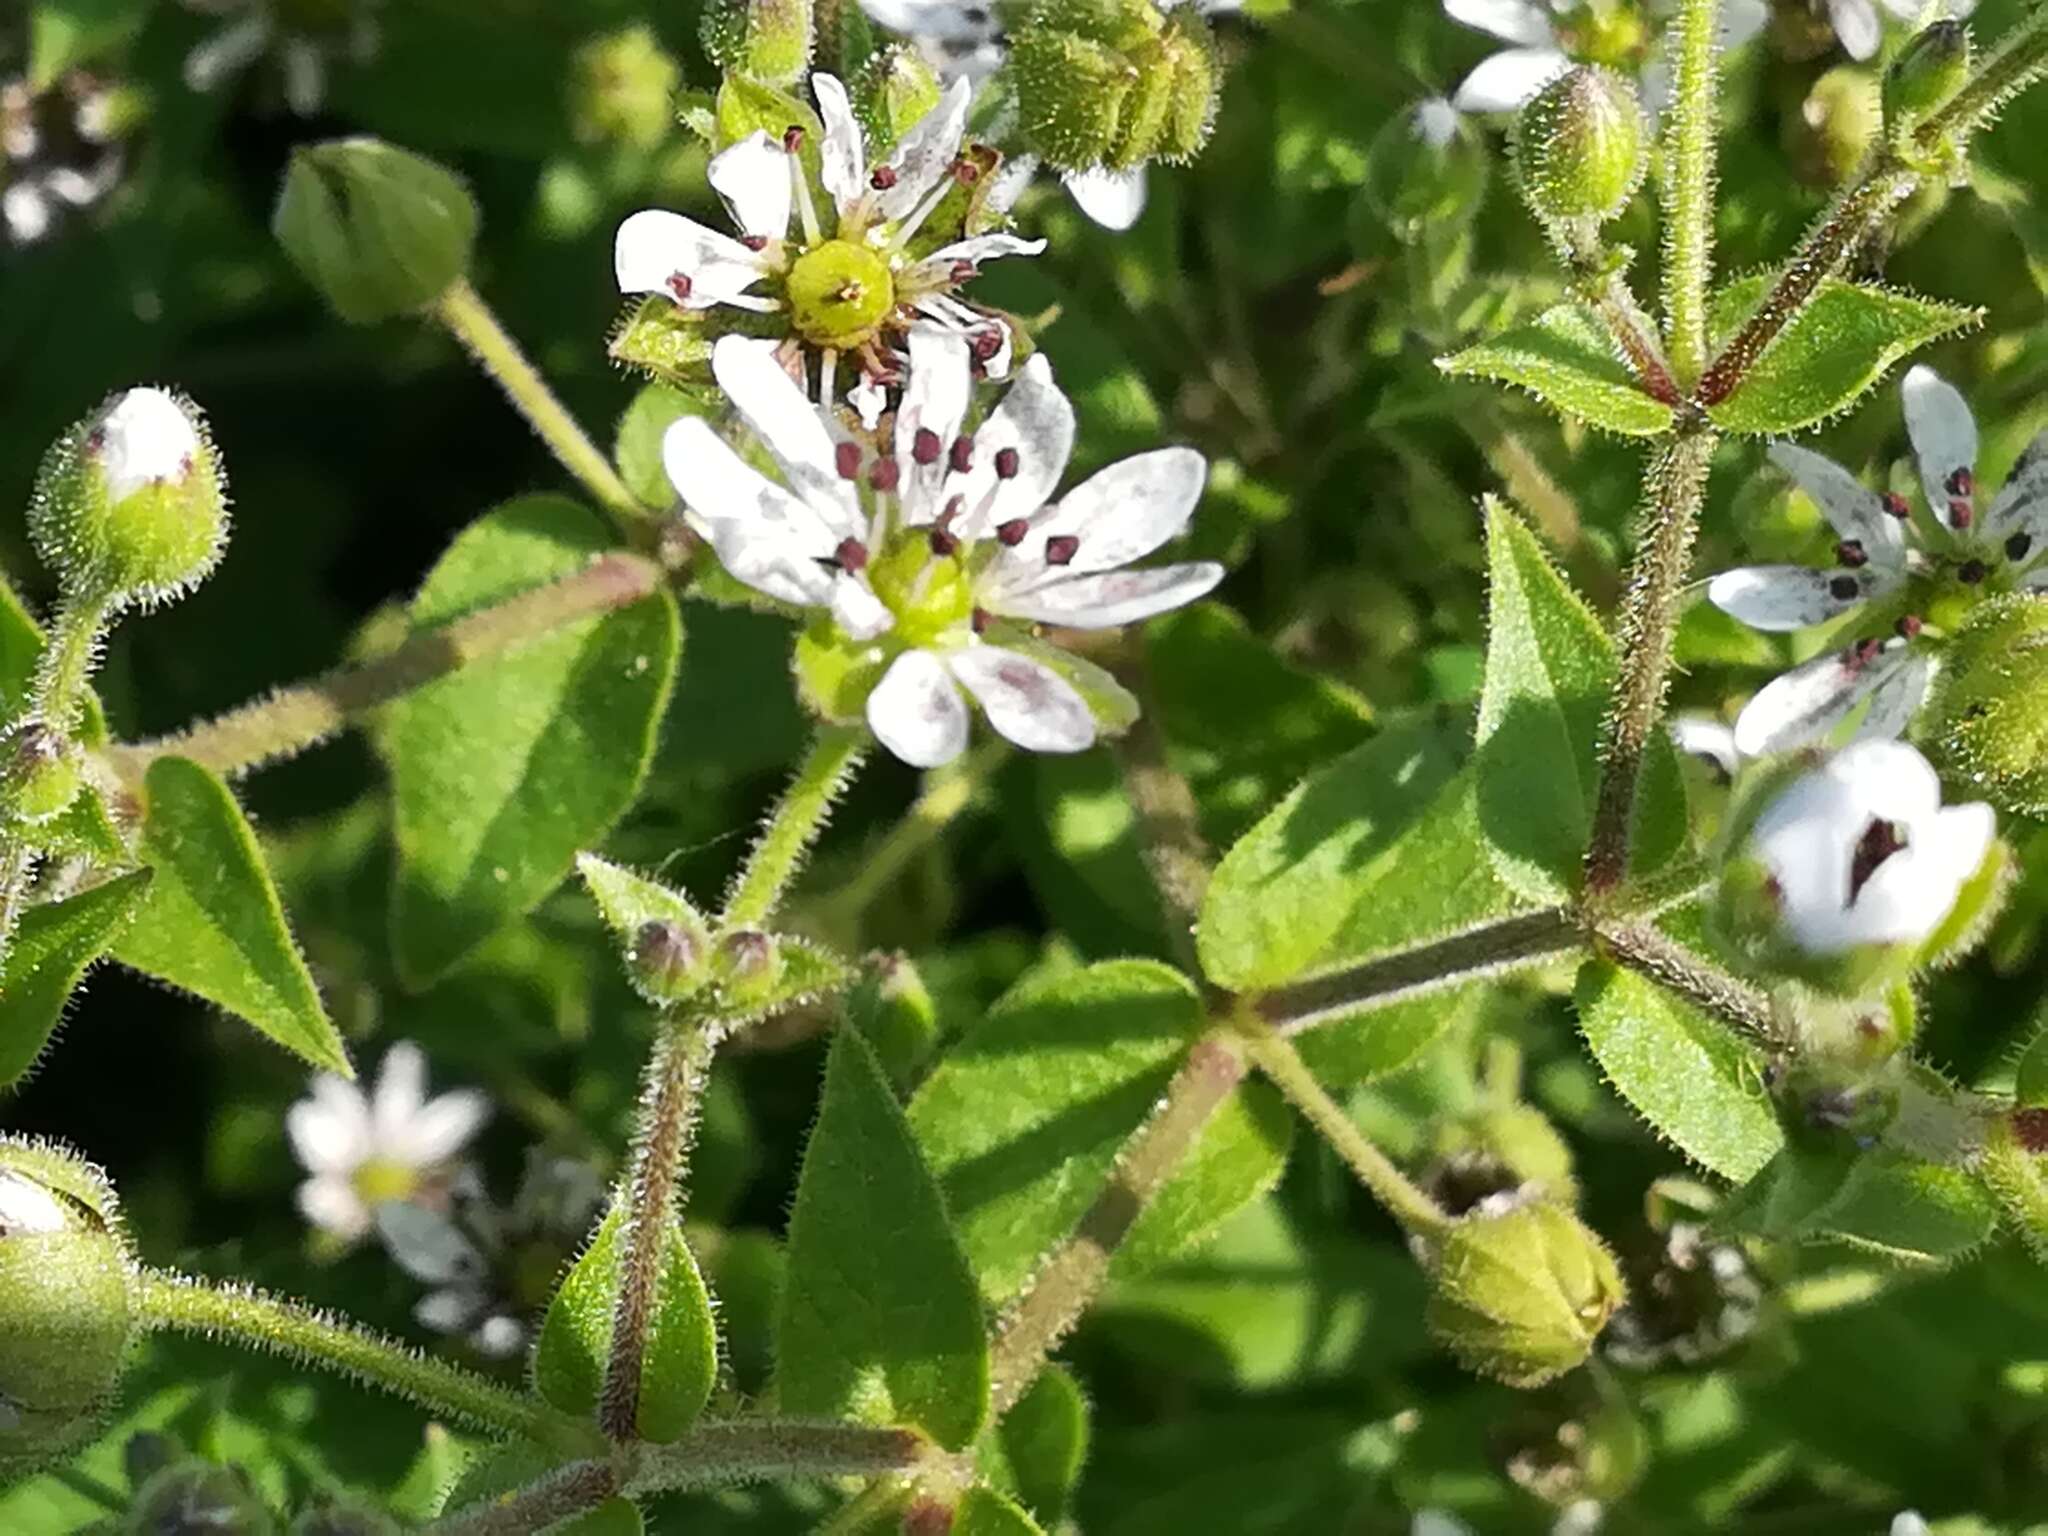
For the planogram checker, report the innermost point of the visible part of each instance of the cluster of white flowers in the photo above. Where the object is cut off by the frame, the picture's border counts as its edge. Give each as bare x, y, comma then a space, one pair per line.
60, 152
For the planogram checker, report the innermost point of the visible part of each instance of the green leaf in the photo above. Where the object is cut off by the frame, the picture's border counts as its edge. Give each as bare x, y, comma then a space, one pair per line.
63, 34
1240, 1155
1695, 1083
51, 949
1567, 360
1913, 1211
2030, 1074
881, 1320
1828, 354
84, 830
1021, 1121
681, 1363
502, 771
1549, 671
629, 901
638, 446
984, 1512
212, 923
1045, 1442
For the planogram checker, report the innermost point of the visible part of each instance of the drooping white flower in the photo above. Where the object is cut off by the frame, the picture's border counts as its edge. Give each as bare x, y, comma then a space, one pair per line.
1889, 566
1861, 851
392, 1143
1546, 39
860, 269
930, 554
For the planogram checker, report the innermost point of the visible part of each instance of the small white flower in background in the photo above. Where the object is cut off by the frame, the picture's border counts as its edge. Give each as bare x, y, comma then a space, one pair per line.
1858, 24
876, 210
1889, 566
1547, 39
1861, 851
920, 555
1907, 1522
1706, 738
1437, 1522
59, 152
393, 1143
304, 52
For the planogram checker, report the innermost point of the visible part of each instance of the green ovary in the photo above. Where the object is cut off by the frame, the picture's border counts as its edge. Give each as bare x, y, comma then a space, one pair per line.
380, 1179
839, 294
930, 595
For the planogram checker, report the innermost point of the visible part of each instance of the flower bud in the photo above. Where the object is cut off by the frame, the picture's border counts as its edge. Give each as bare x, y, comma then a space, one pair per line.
40, 773
1990, 705
379, 231
131, 504
1426, 168
765, 40
344, 1518
1835, 126
1113, 82
67, 1307
666, 961
1522, 1294
1929, 70
2014, 1169
623, 89
894, 1009
1580, 147
667, 943
748, 966
897, 87
199, 1498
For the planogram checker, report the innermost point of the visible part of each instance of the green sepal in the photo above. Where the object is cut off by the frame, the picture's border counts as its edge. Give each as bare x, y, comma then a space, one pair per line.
48, 956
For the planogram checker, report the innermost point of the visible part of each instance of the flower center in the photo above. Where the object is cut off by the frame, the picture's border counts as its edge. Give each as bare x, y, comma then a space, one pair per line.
839, 293
381, 1179
930, 594
1880, 840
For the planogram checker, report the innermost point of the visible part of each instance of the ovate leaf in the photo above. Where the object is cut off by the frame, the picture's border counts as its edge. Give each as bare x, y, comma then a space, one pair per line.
503, 770
211, 921
1567, 360
681, 1362
1912, 1211
1022, 1120
881, 1320
1696, 1084
1045, 1441
1828, 354
984, 1512
47, 958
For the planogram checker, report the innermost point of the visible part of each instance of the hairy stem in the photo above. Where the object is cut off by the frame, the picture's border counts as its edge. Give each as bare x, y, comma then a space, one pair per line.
1643, 947
794, 825
1282, 1064
249, 1317
2019, 60
1071, 1275
58, 693
1487, 950
1634, 333
1688, 188
469, 319
676, 1077
1673, 493
293, 719
1169, 828
947, 792
565, 1491
746, 1450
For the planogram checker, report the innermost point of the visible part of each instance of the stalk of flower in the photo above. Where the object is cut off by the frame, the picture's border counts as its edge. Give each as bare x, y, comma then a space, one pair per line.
1546, 39
865, 261
1905, 579
933, 558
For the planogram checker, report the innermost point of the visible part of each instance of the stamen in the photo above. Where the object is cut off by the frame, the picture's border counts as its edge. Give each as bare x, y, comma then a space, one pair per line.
1909, 625
679, 285
981, 621
2017, 546
884, 474
1061, 548
846, 459
883, 179
852, 555
986, 343
954, 506
943, 543
964, 171
1959, 513
828, 381
925, 446
1962, 482
961, 457
754, 242
792, 138
963, 272
1970, 572
1011, 534
1895, 504
1844, 589
1007, 463
1862, 654
1880, 840
1851, 553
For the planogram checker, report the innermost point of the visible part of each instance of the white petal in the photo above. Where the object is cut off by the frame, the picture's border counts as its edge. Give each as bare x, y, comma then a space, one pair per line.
426, 1244
500, 1337
1908, 1522
1895, 701
935, 394
753, 178
227, 52
1434, 122
856, 609
400, 1092
1910, 893
1705, 737
1856, 24
1884, 778
330, 1132
1011, 178
25, 1206
145, 438
790, 427
1027, 702
447, 1311
764, 535
1037, 421
1113, 199
1944, 434
2022, 503
1110, 598
1118, 514
868, 400
980, 248
843, 156
1512, 21
1741, 20
440, 1129
943, 20
917, 713
331, 1203
1852, 509
1502, 82
1782, 597
1804, 704
654, 247
923, 155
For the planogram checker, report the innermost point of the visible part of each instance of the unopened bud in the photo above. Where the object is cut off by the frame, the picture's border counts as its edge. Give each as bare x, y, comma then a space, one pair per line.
623, 88
1989, 708
131, 504
1928, 71
67, 1308
40, 773
1580, 146
1521, 1295
1835, 126
749, 965
199, 1498
666, 943
765, 40
894, 1009
896, 89
380, 231
667, 961
2015, 1170
1114, 82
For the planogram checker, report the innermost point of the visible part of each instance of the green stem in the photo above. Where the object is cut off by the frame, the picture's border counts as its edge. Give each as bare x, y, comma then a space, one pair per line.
794, 826
1645, 948
1674, 491
58, 693
249, 1317
1634, 333
469, 319
1689, 189
567, 1490
293, 719
676, 1078
1169, 826
747, 1450
2017, 62
947, 792
1070, 1276
1282, 1064
875, 1503
1488, 950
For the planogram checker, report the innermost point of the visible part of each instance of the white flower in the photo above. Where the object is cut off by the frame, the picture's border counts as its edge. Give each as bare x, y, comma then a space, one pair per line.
145, 438
1888, 565
364, 1149
58, 152
26, 1206
876, 210
1908, 1522
1862, 851
258, 27
955, 534
1860, 30
1545, 42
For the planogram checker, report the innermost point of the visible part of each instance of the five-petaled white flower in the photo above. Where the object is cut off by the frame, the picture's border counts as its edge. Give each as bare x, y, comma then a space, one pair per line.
923, 553
1861, 851
841, 287
393, 1143
1548, 38
1891, 568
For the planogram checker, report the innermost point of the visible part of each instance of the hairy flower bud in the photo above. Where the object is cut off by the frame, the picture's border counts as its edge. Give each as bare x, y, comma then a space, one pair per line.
131, 504
623, 88
1113, 82
749, 966
897, 87
667, 961
1990, 705
1835, 126
67, 1307
379, 231
1929, 70
765, 40
199, 1498
1581, 146
40, 773
1522, 1294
